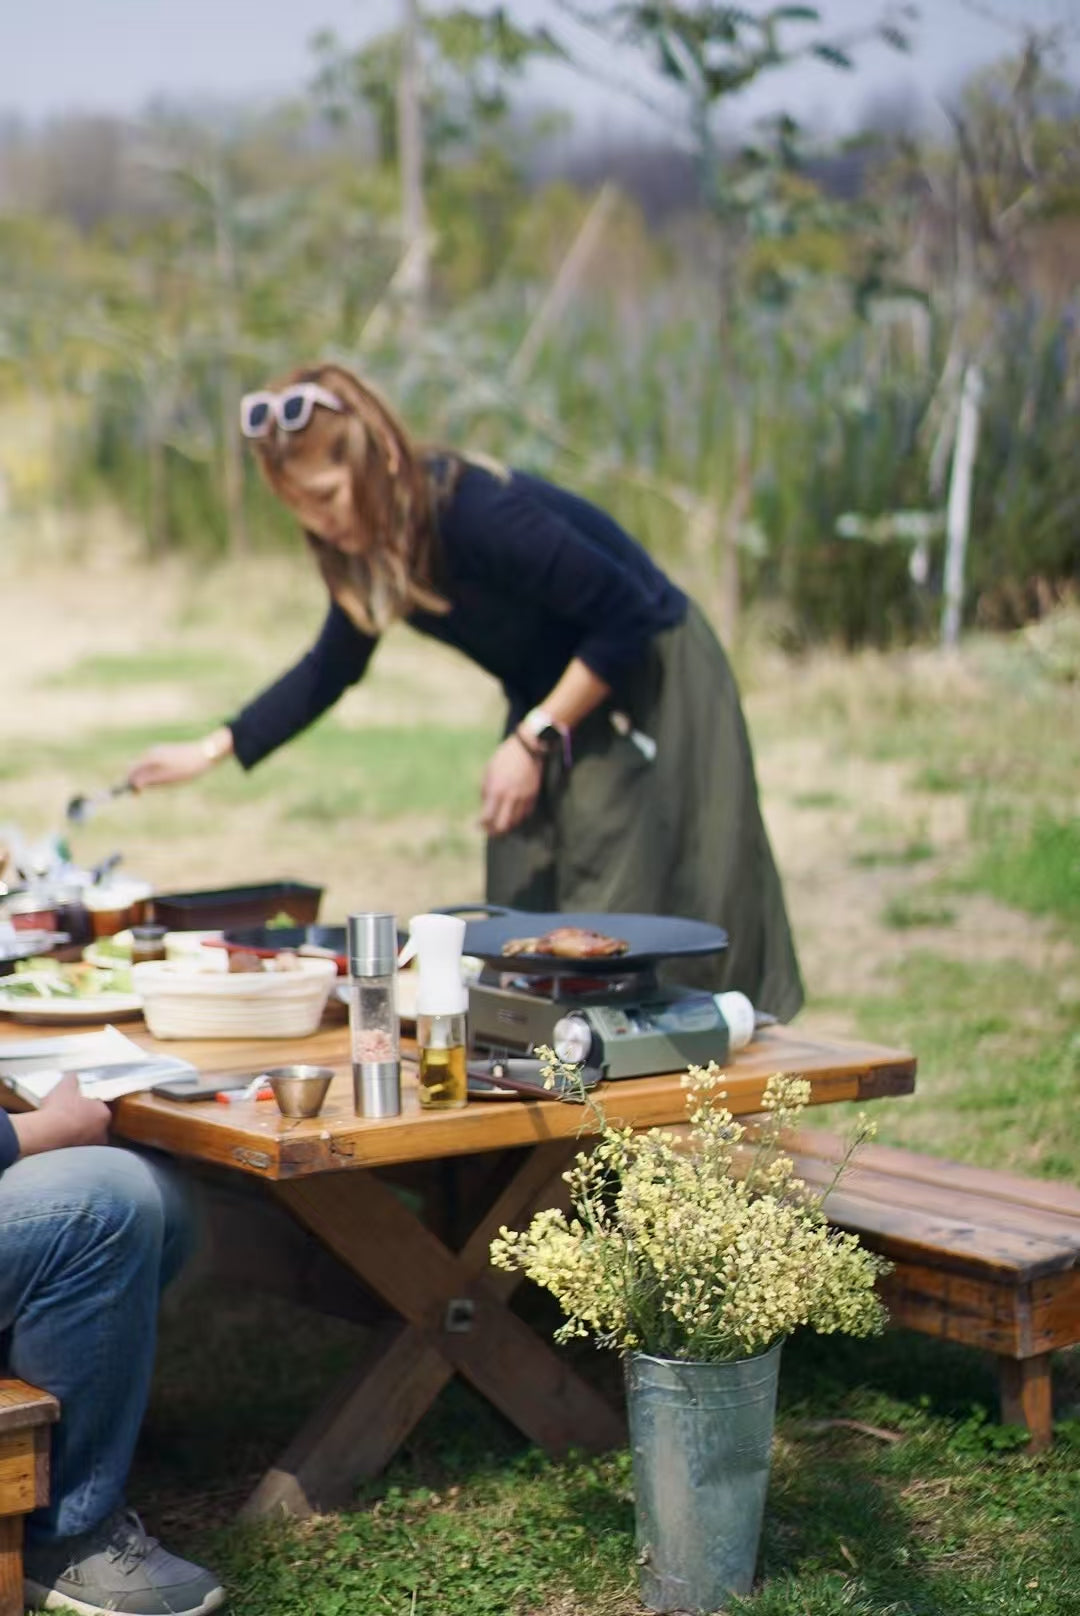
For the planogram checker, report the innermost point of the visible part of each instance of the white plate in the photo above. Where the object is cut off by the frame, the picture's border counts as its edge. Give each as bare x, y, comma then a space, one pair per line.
94, 1007
19, 945
483, 1091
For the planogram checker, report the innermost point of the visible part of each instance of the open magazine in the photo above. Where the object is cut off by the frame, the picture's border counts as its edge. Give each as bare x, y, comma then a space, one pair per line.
108, 1065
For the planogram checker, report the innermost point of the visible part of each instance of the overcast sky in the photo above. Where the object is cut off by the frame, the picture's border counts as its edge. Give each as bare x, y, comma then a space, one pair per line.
115, 55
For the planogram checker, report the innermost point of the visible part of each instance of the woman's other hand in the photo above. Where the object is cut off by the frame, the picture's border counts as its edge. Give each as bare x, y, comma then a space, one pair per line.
510, 788
174, 761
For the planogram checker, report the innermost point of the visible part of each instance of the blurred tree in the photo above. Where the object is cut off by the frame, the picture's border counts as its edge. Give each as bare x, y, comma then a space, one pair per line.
1017, 127
703, 368
989, 211
708, 55
436, 92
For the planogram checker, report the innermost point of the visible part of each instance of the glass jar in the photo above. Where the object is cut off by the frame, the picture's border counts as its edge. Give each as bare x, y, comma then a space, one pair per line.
147, 943
33, 910
116, 905
72, 915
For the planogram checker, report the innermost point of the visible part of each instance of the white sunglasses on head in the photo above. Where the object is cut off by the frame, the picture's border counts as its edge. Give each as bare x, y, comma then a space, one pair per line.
292, 409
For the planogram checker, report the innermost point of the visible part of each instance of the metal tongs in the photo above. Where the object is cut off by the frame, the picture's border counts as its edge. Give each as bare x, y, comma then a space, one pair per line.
522, 1074
82, 808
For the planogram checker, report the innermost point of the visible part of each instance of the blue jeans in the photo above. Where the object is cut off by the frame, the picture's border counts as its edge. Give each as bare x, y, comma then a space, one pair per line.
88, 1239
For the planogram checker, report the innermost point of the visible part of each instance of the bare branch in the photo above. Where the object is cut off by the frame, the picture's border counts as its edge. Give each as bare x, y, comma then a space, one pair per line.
966, 146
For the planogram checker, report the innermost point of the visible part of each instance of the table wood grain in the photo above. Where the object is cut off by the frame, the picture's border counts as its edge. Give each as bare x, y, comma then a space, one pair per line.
253, 1137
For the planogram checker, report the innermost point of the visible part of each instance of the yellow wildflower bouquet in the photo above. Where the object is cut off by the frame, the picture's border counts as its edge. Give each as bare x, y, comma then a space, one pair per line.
705, 1248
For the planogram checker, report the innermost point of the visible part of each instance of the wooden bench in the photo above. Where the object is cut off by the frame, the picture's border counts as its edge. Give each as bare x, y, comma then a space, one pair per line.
989, 1259
25, 1417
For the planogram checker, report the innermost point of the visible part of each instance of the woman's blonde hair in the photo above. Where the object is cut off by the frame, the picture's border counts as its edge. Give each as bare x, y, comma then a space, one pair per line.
386, 564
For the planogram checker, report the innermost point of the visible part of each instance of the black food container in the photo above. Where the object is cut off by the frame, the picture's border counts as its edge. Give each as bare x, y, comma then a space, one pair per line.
227, 907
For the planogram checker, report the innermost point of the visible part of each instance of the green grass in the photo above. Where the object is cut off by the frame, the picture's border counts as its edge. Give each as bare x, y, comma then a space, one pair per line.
904, 914
999, 1062
101, 749
1039, 873
949, 1520
938, 778
952, 1519
909, 853
330, 772
818, 799
165, 665
384, 773
333, 783
499, 1539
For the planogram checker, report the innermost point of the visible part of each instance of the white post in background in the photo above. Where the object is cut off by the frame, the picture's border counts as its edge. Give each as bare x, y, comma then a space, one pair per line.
958, 520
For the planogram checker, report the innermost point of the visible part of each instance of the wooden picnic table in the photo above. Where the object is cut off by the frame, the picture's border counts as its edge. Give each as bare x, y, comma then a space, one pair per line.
336, 1174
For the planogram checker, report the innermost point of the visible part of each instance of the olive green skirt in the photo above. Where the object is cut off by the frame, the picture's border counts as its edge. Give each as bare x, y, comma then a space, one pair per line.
678, 834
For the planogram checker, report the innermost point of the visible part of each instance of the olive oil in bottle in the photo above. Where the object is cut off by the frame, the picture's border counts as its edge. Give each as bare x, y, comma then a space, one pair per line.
443, 1077
442, 1004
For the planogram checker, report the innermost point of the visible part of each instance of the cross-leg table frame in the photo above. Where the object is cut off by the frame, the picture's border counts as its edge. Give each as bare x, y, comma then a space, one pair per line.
453, 1318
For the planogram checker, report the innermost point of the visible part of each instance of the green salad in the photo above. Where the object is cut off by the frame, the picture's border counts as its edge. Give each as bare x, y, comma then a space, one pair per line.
282, 921
45, 978
116, 948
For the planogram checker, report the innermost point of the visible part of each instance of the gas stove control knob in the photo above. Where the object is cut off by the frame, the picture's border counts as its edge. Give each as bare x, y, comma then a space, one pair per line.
572, 1040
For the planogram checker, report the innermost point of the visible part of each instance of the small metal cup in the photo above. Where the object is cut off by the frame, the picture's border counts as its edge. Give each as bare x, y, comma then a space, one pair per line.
300, 1090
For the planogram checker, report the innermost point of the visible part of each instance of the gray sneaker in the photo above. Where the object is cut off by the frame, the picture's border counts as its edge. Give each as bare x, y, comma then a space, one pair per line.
117, 1568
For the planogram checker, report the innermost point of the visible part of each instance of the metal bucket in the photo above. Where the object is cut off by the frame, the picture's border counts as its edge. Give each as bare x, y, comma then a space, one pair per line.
701, 1439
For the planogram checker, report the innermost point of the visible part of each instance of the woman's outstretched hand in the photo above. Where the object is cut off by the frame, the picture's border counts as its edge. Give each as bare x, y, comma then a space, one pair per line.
174, 761
510, 788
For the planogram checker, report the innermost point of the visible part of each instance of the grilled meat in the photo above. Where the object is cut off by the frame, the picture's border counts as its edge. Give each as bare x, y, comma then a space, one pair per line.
568, 942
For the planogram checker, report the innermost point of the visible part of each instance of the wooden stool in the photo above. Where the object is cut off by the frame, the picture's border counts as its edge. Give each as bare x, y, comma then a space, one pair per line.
25, 1416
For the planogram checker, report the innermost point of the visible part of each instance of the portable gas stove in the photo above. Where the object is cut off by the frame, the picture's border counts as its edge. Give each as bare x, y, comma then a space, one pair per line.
608, 1013
627, 1026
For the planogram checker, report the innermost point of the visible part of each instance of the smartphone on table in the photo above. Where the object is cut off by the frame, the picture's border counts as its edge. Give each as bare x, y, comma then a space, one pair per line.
201, 1089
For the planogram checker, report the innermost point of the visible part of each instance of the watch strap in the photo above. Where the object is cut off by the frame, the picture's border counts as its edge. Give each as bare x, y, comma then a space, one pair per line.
540, 724
537, 753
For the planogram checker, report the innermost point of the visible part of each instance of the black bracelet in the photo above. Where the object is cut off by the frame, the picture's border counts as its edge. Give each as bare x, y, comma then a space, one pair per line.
536, 753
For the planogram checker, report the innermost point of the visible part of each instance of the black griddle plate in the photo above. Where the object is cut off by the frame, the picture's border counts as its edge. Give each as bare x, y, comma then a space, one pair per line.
651, 938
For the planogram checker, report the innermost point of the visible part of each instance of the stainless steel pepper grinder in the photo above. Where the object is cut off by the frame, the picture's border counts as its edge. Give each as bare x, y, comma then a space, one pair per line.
374, 1028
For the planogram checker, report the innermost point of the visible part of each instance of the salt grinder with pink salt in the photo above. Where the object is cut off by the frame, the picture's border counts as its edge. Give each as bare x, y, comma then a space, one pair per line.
374, 1030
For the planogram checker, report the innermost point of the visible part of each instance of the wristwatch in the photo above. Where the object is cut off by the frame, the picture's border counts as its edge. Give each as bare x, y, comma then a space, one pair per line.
539, 726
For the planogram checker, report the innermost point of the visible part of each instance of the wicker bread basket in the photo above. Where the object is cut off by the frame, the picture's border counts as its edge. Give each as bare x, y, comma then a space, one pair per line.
181, 1001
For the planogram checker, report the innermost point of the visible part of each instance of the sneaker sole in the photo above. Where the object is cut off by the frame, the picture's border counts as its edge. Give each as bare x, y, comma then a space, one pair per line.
40, 1598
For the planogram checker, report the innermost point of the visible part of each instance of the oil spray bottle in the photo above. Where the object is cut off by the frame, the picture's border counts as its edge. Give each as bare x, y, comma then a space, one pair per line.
442, 1003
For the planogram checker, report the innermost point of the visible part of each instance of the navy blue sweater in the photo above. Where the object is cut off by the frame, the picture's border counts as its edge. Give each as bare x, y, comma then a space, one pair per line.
534, 576
9, 1144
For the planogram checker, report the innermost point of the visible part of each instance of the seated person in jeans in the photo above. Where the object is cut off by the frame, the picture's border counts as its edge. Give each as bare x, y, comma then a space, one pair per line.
88, 1238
